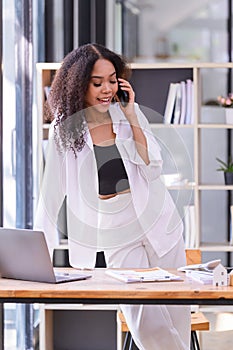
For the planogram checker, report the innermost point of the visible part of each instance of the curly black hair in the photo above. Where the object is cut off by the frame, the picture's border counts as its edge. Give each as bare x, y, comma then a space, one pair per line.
66, 100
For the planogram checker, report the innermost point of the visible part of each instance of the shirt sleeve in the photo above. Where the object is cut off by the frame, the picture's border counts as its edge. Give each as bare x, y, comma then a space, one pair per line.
52, 194
153, 170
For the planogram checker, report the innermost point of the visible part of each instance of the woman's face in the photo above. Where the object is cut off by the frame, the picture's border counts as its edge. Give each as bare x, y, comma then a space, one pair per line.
102, 87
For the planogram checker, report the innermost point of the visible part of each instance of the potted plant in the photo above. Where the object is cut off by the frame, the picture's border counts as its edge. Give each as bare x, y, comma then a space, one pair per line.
227, 103
227, 168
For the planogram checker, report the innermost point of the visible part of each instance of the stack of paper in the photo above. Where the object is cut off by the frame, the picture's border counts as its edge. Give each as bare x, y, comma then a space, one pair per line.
202, 277
202, 273
209, 266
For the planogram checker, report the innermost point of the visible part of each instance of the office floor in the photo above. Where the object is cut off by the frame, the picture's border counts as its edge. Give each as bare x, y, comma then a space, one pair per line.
219, 337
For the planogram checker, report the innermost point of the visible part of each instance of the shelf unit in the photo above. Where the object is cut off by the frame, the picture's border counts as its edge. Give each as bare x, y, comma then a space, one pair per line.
77, 321
151, 83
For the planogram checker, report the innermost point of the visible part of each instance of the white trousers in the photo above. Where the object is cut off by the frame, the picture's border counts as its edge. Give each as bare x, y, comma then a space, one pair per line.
153, 327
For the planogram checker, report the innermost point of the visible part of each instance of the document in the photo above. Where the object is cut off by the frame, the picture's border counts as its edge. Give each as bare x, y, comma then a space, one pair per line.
143, 275
202, 277
208, 266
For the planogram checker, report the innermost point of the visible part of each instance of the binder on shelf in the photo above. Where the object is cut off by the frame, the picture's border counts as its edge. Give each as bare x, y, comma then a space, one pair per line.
189, 98
186, 227
183, 102
177, 109
231, 218
174, 179
170, 105
189, 226
192, 226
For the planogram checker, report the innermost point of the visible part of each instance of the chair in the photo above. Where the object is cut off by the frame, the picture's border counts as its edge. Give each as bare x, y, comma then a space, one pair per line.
198, 320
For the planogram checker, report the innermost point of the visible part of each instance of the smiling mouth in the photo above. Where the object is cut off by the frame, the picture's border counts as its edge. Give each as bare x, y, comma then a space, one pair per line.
104, 100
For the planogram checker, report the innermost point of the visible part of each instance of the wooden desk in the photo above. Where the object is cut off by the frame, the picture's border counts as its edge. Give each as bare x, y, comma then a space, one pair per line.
103, 289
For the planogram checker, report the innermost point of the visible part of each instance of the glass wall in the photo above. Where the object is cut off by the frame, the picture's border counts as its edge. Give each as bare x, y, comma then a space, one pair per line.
18, 89
175, 30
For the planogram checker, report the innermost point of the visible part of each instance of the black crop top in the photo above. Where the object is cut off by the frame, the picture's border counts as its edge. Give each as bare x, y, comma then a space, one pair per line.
111, 171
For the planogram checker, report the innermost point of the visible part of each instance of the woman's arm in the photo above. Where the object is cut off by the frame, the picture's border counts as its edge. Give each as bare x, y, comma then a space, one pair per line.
130, 113
140, 141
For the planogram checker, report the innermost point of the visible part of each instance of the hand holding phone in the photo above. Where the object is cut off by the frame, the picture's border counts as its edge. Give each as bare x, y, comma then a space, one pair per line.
123, 96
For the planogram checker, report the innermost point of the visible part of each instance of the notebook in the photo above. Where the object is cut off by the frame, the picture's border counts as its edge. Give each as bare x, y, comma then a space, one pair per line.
24, 255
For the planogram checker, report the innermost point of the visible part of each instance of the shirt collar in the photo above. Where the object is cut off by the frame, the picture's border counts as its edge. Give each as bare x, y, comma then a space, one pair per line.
116, 115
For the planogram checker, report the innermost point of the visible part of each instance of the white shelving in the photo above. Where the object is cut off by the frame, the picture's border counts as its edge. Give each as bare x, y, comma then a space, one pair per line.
151, 82
47, 312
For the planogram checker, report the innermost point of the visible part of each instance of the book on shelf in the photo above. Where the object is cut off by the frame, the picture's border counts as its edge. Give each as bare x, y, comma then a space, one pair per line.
189, 226
192, 226
179, 107
231, 227
170, 105
174, 179
143, 275
183, 102
189, 102
186, 227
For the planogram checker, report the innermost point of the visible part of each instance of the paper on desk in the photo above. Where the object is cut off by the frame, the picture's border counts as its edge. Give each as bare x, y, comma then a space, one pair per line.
202, 277
208, 266
148, 275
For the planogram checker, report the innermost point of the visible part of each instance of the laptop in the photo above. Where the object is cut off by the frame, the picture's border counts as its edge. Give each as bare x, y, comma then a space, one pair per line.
24, 255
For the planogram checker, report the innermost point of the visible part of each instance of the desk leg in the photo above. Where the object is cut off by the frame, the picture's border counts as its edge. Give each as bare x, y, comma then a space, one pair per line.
1, 327
49, 330
46, 329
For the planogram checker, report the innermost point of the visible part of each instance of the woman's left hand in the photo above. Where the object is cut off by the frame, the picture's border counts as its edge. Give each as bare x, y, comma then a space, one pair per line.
128, 110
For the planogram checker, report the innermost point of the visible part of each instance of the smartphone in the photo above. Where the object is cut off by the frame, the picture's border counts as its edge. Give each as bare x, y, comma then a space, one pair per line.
123, 97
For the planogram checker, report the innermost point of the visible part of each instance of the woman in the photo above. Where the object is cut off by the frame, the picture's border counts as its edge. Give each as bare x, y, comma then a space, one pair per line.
103, 158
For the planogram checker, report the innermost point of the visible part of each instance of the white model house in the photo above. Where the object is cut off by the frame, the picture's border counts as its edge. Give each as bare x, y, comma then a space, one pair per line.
220, 277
